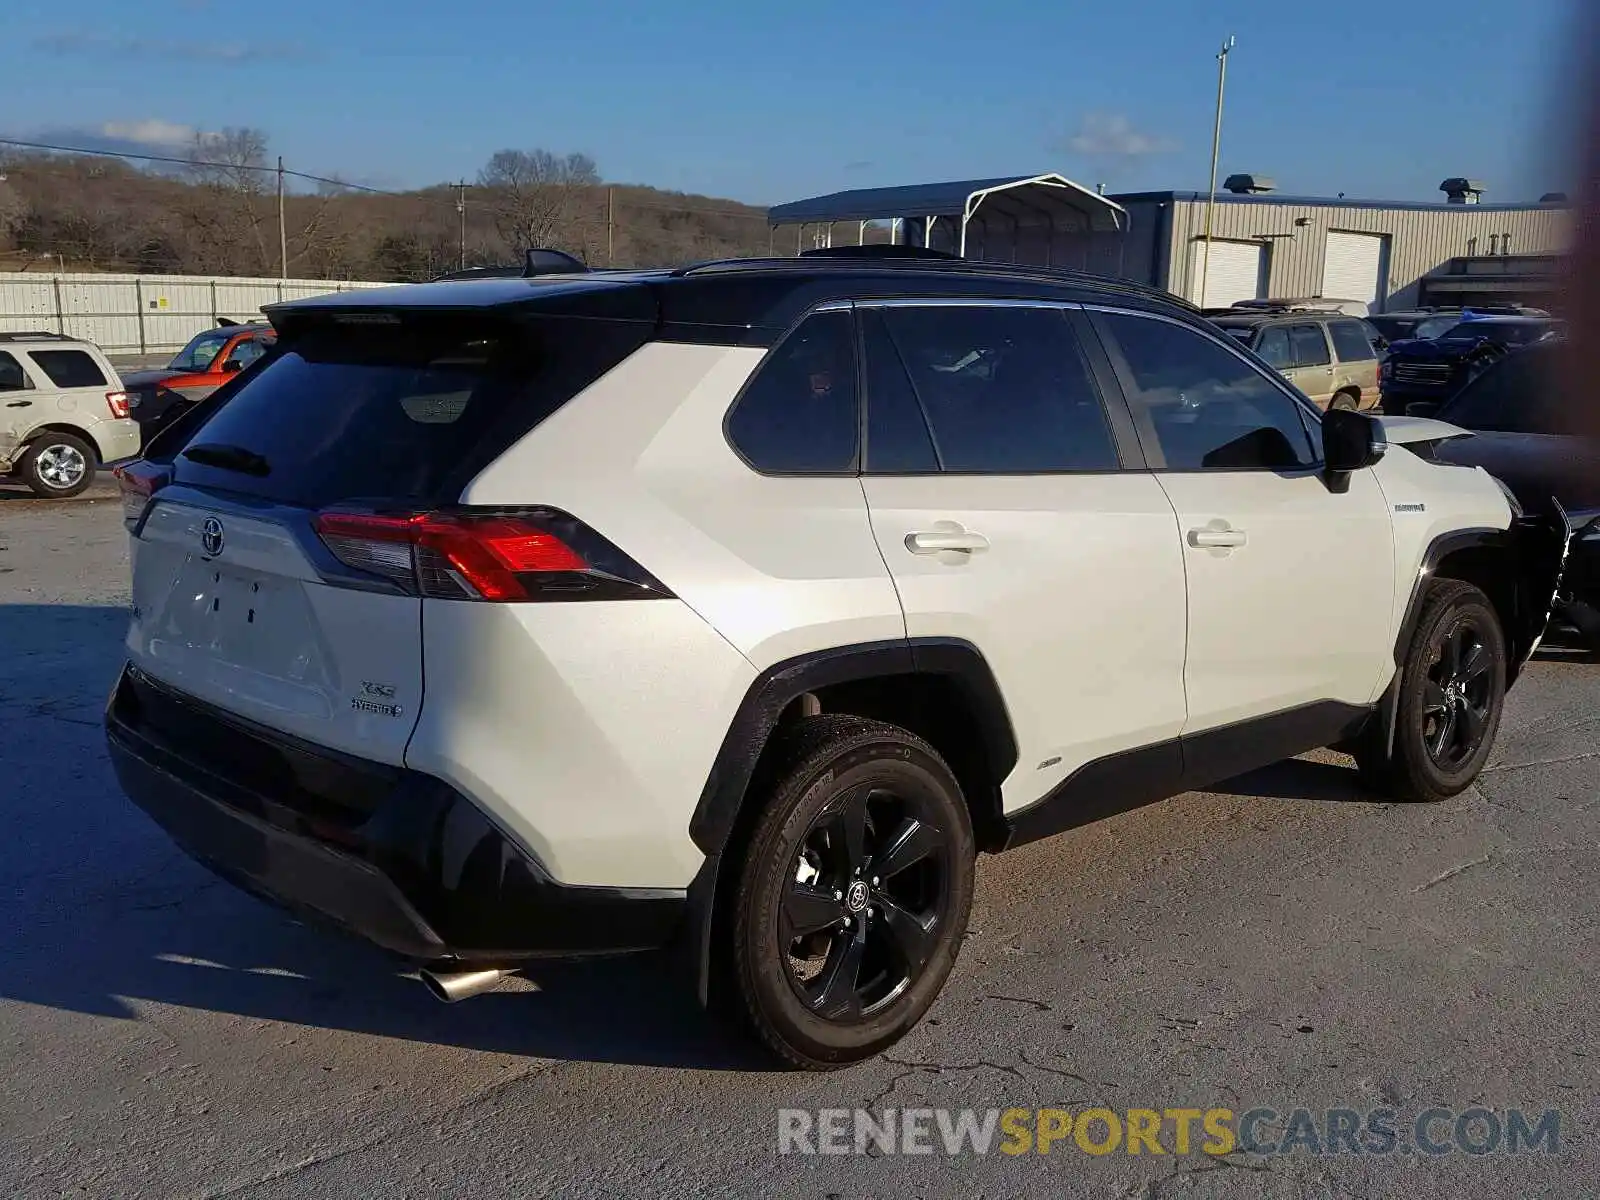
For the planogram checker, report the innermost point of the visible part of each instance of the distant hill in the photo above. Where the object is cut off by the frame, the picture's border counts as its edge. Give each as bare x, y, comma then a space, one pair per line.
101, 214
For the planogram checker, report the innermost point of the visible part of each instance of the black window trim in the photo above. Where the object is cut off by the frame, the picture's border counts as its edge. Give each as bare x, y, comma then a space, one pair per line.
1119, 422
1310, 415
848, 308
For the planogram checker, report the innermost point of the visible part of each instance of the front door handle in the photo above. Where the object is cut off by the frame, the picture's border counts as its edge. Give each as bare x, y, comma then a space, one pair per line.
1211, 538
19, 404
937, 541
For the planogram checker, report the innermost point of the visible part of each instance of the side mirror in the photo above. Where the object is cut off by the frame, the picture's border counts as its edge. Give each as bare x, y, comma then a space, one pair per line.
1351, 441
1422, 408
232, 366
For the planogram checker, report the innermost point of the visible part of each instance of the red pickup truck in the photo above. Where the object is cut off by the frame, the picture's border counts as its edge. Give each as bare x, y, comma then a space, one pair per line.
210, 359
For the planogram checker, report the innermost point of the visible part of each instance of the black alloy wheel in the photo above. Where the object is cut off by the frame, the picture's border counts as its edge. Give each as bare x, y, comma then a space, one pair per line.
1458, 694
871, 888
1451, 688
854, 891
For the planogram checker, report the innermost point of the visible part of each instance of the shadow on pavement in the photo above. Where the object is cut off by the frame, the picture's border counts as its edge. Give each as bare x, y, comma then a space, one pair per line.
106, 913
1301, 779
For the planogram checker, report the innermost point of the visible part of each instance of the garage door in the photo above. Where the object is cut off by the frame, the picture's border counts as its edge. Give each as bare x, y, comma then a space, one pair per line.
1354, 267
1237, 272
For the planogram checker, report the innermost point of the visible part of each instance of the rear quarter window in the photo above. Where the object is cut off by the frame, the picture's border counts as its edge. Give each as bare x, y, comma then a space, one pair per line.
69, 368
398, 415
1350, 341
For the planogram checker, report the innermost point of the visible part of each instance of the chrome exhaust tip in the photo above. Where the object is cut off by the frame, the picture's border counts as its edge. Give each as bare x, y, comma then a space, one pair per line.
450, 986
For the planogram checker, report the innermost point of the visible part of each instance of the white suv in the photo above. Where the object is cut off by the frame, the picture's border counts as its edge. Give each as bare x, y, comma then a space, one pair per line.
738, 607
62, 413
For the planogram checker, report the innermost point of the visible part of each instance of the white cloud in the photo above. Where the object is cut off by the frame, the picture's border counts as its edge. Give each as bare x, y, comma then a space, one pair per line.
1113, 135
152, 132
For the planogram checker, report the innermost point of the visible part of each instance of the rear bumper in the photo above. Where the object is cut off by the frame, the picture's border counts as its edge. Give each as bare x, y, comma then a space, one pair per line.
395, 856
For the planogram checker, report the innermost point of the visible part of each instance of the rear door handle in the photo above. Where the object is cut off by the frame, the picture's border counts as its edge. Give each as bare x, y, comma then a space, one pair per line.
1211, 538
19, 404
937, 541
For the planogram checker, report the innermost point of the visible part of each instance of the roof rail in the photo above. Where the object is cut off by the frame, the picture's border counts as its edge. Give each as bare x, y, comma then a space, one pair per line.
940, 264
879, 250
36, 335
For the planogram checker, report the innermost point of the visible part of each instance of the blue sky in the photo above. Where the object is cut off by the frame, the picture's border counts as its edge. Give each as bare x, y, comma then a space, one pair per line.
767, 103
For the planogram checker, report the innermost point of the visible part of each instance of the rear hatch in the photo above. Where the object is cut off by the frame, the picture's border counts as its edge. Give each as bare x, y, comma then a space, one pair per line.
267, 580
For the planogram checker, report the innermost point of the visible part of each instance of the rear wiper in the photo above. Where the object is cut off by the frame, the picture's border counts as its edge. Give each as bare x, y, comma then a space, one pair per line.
229, 458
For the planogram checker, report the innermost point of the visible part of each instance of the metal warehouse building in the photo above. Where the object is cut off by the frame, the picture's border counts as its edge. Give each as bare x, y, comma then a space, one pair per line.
1263, 246
1391, 255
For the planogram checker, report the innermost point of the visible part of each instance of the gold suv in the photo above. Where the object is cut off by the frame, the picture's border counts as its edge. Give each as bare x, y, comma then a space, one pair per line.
1330, 357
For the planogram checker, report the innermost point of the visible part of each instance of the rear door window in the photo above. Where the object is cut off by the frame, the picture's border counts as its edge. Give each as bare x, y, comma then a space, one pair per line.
798, 414
402, 414
1351, 341
69, 368
1006, 389
1310, 347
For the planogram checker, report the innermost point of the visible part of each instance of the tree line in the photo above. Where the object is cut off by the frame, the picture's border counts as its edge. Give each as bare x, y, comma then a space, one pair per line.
215, 212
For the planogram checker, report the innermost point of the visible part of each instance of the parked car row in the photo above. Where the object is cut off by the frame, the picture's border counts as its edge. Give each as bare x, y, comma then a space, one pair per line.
1330, 356
65, 411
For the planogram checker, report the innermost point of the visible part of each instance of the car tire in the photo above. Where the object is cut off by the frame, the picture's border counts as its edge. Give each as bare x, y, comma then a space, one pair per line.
853, 894
1348, 401
1452, 687
58, 465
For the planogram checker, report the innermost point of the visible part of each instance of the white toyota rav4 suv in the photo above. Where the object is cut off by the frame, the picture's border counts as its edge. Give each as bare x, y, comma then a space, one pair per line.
738, 607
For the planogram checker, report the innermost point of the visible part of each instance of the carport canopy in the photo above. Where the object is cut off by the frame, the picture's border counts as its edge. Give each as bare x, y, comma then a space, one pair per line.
1050, 200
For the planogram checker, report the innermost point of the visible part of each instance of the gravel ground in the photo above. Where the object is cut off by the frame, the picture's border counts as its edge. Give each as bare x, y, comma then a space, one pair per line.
1280, 942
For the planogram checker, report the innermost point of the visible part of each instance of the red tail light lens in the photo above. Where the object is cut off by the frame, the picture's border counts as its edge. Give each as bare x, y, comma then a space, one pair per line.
537, 554
118, 403
138, 482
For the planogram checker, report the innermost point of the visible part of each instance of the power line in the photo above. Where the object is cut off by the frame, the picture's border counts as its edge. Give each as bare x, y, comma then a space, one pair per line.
195, 162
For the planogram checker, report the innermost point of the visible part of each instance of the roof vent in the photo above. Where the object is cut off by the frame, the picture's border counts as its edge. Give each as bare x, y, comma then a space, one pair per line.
1461, 190
1553, 198
1249, 185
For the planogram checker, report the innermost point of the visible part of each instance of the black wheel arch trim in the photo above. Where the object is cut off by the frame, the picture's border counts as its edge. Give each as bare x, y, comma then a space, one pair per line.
722, 799
782, 683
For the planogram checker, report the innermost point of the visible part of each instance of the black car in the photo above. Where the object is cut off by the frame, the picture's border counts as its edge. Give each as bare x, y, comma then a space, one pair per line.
1526, 436
1432, 370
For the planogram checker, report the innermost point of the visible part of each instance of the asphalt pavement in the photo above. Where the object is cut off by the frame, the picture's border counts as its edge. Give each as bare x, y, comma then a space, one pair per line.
1285, 941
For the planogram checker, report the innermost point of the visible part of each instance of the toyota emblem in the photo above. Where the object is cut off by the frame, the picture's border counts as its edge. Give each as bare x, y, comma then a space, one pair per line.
211, 537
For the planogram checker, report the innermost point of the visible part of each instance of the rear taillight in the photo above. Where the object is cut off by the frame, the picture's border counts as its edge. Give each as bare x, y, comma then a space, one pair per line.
505, 556
139, 481
119, 403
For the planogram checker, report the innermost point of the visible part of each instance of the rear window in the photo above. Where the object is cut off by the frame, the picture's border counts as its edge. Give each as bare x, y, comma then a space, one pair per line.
69, 368
401, 414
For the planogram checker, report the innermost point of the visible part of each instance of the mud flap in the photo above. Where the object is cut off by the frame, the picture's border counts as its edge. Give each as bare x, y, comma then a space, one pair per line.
1540, 544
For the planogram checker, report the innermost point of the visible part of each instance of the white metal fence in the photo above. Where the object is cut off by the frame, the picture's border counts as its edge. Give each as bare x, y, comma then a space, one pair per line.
141, 314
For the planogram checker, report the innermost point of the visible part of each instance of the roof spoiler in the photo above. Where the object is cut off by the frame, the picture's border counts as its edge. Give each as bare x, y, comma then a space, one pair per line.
541, 261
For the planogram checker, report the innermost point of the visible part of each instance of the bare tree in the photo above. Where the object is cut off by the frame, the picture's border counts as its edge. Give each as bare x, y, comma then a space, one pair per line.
531, 194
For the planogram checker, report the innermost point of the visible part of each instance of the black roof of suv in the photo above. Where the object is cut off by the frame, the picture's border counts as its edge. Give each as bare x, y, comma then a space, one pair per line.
735, 301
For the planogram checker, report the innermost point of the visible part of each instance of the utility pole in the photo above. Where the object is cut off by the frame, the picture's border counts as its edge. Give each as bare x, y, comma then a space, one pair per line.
1216, 153
461, 214
611, 227
283, 234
